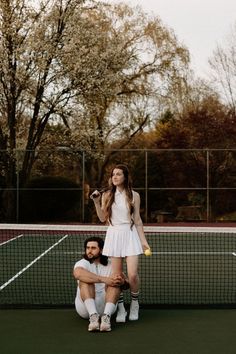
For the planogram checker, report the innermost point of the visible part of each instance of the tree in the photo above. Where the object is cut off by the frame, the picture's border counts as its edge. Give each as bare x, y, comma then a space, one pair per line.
210, 124
95, 68
223, 73
140, 65
33, 87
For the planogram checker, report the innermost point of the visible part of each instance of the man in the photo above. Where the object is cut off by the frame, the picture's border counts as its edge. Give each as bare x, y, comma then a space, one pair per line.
98, 291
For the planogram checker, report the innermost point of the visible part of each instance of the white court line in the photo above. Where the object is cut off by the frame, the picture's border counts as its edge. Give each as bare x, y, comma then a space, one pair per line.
167, 253
31, 263
195, 252
12, 239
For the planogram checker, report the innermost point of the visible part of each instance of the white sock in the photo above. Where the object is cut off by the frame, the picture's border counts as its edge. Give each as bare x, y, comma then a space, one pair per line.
134, 297
121, 307
109, 308
90, 306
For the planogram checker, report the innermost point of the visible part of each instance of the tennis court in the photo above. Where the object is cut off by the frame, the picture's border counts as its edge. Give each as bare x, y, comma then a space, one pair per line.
187, 284
169, 331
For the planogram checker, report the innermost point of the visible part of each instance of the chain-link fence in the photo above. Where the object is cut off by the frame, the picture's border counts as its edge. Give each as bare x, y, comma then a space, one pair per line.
174, 184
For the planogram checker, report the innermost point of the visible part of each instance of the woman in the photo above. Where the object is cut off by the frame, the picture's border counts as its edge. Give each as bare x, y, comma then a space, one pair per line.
119, 207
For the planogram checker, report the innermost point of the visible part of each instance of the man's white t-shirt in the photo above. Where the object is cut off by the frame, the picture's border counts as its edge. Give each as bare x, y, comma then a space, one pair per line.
96, 268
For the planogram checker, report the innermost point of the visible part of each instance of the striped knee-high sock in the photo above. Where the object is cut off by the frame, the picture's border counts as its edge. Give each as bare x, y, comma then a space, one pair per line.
121, 306
134, 296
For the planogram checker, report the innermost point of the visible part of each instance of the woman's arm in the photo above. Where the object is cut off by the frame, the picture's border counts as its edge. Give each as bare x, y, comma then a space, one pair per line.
99, 203
138, 221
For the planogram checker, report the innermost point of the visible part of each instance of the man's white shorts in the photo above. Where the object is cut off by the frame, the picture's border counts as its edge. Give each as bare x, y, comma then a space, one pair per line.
99, 302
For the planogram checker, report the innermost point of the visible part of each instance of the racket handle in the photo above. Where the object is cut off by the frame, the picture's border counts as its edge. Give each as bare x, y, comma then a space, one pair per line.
95, 195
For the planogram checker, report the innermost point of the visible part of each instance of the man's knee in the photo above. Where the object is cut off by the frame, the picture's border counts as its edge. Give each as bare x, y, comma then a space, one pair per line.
84, 285
86, 290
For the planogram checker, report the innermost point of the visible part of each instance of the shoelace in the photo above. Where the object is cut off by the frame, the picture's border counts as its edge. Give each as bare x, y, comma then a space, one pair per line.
106, 318
93, 317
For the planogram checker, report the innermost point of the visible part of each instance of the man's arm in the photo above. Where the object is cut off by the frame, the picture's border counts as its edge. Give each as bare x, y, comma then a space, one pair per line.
86, 276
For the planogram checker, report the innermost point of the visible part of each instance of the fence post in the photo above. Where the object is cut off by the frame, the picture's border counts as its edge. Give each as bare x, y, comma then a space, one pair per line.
17, 187
83, 187
208, 184
146, 186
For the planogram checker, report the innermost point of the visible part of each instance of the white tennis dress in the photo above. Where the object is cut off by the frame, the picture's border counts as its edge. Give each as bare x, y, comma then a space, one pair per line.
121, 239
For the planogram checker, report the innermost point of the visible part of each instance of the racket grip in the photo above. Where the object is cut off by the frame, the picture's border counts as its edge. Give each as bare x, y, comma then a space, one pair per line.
95, 195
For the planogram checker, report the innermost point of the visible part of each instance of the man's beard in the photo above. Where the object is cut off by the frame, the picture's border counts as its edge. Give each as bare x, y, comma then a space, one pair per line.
92, 259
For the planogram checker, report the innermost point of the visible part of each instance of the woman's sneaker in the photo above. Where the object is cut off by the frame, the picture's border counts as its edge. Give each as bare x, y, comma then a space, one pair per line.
105, 323
134, 311
93, 323
121, 316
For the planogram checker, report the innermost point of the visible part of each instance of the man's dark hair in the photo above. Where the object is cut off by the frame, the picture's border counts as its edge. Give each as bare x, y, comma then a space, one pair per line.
100, 242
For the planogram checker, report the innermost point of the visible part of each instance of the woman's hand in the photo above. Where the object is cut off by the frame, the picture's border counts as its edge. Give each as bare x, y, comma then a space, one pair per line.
96, 196
145, 246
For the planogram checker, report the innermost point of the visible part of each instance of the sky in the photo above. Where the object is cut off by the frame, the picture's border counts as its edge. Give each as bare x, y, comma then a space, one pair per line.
198, 24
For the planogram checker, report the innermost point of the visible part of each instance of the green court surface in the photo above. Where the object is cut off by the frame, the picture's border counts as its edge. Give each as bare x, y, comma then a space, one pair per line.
159, 331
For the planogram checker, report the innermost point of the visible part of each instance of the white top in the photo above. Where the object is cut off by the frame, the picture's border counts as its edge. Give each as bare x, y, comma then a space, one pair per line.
96, 268
120, 210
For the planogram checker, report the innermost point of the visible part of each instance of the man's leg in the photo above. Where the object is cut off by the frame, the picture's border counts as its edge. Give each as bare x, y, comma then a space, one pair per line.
87, 293
112, 296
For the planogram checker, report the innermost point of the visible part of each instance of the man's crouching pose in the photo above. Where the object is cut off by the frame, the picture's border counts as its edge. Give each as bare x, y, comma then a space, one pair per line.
99, 292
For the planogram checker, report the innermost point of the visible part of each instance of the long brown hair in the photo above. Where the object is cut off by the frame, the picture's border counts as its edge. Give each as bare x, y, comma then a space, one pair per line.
112, 189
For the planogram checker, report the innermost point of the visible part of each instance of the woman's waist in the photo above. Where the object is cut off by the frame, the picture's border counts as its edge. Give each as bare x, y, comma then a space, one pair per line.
121, 220
122, 225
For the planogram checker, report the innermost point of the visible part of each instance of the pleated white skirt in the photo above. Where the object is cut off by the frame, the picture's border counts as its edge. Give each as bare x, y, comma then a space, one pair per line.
122, 241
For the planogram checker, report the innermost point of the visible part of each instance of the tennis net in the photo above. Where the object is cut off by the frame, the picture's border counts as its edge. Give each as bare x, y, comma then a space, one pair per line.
189, 265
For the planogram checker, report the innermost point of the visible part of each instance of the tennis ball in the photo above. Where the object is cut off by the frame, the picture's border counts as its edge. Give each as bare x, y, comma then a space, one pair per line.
148, 252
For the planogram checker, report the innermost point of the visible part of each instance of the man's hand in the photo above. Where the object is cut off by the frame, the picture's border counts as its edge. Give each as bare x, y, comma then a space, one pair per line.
117, 280
114, 280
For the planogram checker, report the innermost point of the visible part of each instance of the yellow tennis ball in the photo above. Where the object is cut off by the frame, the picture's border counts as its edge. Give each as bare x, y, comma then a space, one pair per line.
148, 252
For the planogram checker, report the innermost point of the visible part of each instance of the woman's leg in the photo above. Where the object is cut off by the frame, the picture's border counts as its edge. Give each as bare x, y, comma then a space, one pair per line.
116, 265
117, 269
132, 269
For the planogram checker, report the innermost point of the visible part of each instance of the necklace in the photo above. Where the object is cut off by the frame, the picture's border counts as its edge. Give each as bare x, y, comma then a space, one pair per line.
97, 269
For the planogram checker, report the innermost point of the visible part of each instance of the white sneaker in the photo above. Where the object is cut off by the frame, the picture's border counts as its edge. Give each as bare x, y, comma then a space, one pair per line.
93, 323
134, 311
121, 316
105, 323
